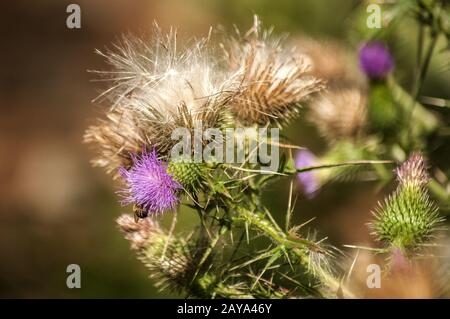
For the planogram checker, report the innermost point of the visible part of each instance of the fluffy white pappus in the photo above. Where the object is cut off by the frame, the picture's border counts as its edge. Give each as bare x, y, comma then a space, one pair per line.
161, 86
161, 75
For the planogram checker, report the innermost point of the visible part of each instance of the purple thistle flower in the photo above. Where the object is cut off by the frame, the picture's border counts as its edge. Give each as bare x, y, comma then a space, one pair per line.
308, 180
149, 185
375, 60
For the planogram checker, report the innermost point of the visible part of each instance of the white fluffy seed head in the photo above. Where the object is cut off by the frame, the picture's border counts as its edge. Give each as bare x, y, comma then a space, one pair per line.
156, 87
159, 77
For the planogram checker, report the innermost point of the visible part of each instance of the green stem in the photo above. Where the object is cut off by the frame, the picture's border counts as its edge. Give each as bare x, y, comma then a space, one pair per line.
426, 64
222, 230
421, 72
350, 163
420, 45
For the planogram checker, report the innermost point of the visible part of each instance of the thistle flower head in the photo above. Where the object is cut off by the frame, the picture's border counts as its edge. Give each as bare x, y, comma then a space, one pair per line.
165, 74
116, 137
139, 234
189, 174
308, 180
149, 185
340, 113
375, 60
407, 218
274, 80
155, 88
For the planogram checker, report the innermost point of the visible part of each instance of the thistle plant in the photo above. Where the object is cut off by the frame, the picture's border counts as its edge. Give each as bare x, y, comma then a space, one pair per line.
247, 82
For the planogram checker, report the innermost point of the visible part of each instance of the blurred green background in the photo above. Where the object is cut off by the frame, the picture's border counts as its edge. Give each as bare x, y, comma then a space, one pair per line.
54, 208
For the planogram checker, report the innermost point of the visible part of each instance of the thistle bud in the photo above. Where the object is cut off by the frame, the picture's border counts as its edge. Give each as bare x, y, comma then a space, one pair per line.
375, 60
187, 173
407, 218
168, 258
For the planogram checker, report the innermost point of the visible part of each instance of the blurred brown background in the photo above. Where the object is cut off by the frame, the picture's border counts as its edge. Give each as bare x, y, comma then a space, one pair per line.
54, 208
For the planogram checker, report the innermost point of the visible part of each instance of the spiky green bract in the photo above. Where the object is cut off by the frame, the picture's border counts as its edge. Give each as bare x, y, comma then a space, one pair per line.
306, 252
187, 173
169, 259
408, 218
226, 119
209, 286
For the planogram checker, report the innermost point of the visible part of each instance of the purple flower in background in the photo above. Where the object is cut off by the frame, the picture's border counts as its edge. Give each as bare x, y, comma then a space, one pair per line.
375, 60
149, 185
308, 180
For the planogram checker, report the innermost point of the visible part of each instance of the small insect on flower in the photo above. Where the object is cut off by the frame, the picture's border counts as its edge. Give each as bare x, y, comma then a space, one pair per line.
139, 212
149, 187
